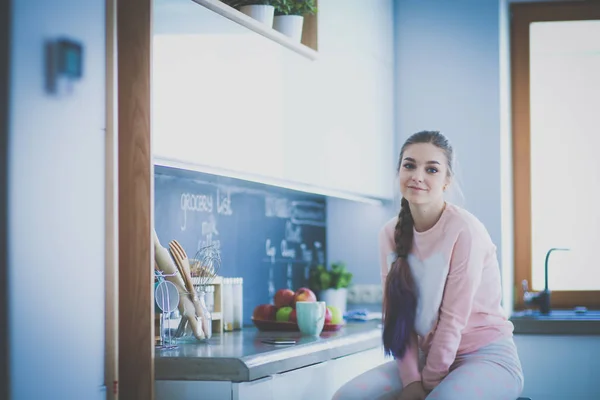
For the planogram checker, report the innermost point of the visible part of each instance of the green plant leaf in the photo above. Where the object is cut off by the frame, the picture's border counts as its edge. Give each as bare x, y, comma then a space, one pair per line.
337, 277
294, 7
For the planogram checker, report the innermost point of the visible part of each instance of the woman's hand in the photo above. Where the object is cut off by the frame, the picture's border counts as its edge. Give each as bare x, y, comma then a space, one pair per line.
414, 391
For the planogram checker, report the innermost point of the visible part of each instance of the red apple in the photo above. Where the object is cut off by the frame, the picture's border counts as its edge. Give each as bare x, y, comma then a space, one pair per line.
293, 317
328, 316
283, 298
265, 312
303, 294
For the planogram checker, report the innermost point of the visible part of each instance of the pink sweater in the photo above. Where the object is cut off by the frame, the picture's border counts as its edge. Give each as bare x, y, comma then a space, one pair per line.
457, 276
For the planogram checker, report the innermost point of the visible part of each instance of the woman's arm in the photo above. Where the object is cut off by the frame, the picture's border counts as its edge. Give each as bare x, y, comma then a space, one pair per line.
466, 266
408, 365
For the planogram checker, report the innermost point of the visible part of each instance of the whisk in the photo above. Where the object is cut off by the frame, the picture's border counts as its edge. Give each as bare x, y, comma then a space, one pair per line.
205, 265
204, 268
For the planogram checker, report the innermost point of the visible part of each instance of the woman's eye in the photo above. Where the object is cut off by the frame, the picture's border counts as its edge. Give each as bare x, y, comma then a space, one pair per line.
432, 170
409, 166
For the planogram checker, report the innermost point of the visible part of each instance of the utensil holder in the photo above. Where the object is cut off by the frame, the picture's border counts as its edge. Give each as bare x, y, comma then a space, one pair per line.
217, 314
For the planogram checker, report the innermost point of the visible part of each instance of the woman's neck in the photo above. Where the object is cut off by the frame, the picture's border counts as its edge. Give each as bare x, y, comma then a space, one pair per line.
425, 216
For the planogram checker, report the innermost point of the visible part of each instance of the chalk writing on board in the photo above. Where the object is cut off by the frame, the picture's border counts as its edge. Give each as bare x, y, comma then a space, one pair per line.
209, 233
320, 252
277, 207
307, 254
270, 250
287, 251
289, 275
247, 222
224, 202
196, 203
293, 234
307, 213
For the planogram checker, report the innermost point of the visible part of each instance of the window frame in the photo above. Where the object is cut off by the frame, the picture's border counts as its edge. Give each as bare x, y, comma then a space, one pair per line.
522, 15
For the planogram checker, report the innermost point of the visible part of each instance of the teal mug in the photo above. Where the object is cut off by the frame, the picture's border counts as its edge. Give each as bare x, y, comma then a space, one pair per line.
311, 317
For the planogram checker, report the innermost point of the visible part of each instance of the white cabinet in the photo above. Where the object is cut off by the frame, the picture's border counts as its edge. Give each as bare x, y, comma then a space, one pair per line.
258, 389
227, 98
215, 98
305, 383
316, 382
348, 142
349, 367
192, 390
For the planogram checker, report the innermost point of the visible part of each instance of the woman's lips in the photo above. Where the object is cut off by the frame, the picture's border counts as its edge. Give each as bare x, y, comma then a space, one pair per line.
417, 189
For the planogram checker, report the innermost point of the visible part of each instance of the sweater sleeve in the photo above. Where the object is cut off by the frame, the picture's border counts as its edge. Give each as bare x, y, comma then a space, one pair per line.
466, 266
408, 366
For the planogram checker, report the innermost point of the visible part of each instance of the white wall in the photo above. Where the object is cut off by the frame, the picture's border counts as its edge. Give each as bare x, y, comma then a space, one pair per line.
352, 237
447, 79
56, 207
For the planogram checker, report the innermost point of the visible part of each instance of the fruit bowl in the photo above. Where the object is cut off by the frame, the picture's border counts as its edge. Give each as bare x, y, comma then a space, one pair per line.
269, 325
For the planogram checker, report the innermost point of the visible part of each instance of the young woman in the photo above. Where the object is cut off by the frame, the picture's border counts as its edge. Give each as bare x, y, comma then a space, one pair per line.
443, 322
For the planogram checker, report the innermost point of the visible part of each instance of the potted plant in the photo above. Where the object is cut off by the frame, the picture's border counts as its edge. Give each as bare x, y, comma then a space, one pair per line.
289, 16
331, 284
260, 10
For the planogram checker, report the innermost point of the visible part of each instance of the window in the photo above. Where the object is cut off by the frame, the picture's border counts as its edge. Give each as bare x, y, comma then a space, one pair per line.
555, 56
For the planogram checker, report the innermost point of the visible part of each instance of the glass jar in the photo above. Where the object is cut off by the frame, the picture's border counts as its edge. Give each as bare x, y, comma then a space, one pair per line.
184, 333
210, 297
227, 306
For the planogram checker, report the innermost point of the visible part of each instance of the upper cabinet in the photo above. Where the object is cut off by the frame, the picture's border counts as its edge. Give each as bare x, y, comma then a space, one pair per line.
230, 99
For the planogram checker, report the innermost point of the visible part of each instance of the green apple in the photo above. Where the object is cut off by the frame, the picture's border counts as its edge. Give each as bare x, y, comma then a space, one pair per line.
283, 314
336, 315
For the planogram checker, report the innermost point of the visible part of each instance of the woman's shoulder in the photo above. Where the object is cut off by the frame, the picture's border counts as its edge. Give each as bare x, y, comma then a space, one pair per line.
386, 233
387, 230
463, 220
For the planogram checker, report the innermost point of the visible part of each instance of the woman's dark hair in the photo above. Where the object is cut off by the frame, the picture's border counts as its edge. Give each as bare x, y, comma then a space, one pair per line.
400, 298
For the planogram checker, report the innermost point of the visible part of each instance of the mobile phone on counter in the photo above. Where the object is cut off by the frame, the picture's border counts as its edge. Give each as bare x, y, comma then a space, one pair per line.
280, 341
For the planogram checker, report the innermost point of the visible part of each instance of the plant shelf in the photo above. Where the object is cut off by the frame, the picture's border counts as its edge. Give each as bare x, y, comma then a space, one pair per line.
308, 47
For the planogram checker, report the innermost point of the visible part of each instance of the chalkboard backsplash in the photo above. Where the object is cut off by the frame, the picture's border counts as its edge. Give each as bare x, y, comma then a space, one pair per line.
267, 235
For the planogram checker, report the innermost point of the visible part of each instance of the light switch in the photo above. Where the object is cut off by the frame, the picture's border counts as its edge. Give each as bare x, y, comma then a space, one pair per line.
64, 65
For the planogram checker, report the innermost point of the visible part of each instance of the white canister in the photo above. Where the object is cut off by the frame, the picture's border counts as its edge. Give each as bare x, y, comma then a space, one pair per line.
227, 304
289, 25
238, 303
260, 12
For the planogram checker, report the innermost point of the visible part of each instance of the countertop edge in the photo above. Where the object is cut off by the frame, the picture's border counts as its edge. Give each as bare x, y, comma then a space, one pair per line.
533, 326
312, 353
189, 369
257, 366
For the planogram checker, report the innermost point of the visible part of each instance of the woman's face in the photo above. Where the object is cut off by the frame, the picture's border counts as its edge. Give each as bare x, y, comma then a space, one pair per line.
423, 173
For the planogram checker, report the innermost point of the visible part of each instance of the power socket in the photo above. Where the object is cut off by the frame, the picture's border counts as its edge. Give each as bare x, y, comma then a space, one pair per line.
365, 294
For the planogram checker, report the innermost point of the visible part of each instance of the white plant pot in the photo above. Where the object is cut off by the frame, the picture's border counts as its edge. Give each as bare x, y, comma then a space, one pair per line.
260, 12
335, 297
289, 25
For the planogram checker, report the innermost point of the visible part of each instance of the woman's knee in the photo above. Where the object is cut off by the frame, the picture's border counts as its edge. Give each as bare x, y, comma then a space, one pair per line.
378, 383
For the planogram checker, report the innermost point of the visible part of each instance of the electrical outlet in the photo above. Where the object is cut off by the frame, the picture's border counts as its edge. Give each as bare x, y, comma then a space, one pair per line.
365, 294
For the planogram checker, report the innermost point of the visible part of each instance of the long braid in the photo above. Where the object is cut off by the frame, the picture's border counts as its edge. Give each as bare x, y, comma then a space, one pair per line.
400, 300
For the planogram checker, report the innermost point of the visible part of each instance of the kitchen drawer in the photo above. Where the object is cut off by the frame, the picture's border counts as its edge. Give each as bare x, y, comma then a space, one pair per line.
310, 382
258, 389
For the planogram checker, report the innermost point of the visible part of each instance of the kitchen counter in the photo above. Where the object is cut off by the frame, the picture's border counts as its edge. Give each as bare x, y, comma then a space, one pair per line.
558, 322
241, 356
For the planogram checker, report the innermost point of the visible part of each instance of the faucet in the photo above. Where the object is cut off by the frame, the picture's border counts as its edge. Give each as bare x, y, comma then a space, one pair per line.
541, 299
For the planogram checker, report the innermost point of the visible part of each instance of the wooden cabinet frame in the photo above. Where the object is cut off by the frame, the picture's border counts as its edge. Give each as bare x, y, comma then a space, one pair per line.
134, 206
